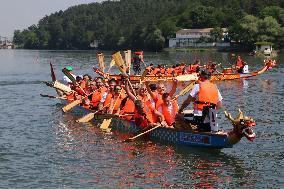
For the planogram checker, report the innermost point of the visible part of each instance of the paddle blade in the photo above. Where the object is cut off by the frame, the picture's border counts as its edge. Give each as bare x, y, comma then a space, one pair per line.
86, 118
186, 89
52, 72
105, 124
101, 61
187, 77
67, 73
119, 62
71, 105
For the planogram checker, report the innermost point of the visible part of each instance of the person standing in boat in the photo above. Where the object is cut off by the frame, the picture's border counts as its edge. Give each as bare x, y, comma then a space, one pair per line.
66, 80
240, 64
206, 99
137, 61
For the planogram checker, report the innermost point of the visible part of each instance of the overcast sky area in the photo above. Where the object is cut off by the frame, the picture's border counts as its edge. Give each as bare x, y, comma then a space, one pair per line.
20, 14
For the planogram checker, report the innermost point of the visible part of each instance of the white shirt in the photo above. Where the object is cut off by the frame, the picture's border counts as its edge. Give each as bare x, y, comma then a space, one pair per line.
194, 94
103, 99
67, 80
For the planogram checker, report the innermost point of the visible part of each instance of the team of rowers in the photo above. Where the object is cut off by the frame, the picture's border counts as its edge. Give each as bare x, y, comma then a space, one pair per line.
180, 69
147, 103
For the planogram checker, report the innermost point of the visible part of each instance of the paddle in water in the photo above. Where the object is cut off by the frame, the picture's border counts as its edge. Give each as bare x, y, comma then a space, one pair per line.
141, 134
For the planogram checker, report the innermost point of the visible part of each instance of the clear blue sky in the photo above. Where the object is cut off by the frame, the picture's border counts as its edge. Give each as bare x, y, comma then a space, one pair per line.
20, 14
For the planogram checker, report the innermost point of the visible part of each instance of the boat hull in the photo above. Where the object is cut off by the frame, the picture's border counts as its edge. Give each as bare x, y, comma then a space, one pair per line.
166, 135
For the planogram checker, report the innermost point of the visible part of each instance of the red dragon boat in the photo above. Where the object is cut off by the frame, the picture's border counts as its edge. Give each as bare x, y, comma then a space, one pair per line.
226, 74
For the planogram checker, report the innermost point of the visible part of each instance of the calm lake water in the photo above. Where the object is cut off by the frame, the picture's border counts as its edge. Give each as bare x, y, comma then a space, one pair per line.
40, 147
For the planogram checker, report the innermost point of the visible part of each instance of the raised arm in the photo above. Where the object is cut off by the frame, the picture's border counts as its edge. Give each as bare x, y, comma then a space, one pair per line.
174, 88
149, 90
128, 92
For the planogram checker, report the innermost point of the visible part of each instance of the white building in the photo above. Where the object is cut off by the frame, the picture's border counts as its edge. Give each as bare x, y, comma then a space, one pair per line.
264, 47
191, 37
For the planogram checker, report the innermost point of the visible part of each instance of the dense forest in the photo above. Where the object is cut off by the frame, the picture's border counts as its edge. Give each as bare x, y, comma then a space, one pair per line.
148, 24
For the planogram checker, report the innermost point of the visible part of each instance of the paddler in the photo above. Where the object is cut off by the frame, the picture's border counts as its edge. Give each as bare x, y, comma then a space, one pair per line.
169, 108
161, 89
239, 64
66, 80
99, 93
206, 98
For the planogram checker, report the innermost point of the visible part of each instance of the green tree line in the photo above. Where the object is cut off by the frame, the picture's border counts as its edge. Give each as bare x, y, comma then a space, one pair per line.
148, 24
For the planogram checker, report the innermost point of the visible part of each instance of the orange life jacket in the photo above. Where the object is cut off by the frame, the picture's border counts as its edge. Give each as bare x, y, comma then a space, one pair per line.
149, 117
194, 67
239, 63
70, 97
156, 70
128, 108
113, 100
157, 99
207, 95
169, 115
97, 96
170, 71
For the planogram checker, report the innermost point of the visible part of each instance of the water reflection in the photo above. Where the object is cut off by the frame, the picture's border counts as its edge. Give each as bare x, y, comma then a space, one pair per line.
143, 163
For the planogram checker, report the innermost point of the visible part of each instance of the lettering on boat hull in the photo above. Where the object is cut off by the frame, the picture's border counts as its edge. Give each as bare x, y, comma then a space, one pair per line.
195, 138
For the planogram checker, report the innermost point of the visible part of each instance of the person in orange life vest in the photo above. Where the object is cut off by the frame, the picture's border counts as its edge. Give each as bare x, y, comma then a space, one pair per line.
87, 79
161, 89
163, 70
169, 109
99, 92
116, 97
81, 85
195, 68
170, 70
127, 105
204, 95
150, 69
146, 116
156, 70
239, 64
106, 98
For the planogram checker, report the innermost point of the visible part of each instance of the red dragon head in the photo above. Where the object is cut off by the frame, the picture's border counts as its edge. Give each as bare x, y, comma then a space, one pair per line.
270, 63
242, 125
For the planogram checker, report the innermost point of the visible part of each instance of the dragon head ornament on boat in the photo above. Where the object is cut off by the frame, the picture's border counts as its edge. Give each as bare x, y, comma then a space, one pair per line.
269, 63
242, 127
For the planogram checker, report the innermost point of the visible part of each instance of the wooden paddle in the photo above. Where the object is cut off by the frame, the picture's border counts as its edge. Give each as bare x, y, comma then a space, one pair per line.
106, 122
71, 105
87, 117
141, 134
75, 103
50, 96
185, 90
122, 68
68, 74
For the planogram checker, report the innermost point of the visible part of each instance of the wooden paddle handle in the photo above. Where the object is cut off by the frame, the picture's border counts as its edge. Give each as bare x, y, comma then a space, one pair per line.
132, 138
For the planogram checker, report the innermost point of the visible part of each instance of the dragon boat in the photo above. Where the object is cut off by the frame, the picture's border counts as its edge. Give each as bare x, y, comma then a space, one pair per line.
184, 133
226, 74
